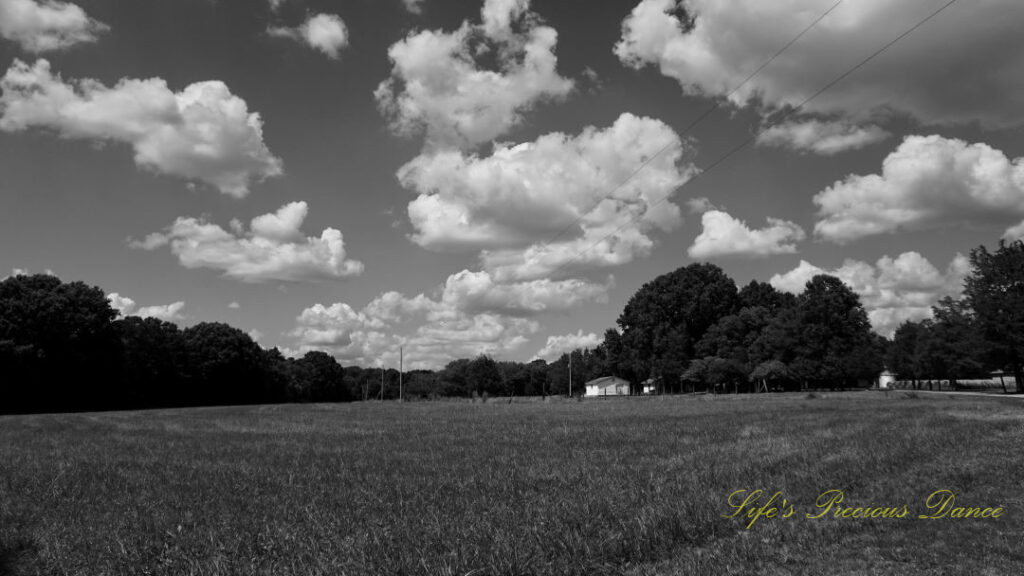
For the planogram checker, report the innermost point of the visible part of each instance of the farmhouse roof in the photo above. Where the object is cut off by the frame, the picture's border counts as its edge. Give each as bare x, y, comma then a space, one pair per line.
605, 381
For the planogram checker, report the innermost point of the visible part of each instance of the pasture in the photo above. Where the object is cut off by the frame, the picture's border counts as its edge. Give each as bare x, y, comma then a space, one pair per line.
626, 486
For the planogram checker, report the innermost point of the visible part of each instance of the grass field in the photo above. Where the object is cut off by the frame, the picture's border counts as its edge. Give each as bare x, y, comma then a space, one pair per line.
628, 486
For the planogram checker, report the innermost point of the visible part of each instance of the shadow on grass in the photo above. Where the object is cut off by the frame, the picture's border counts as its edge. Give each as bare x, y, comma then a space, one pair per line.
12, 553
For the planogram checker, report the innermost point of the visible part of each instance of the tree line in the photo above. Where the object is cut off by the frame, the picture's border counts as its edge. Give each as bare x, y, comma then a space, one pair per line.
63, 347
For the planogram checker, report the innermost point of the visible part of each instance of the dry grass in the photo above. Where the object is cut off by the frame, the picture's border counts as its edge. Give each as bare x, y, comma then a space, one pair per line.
632, 486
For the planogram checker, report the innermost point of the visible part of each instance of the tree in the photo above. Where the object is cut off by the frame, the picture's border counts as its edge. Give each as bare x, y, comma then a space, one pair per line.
483, 376
764, 295
905, 354
733, 336
228, 363
995, 291
154, 363
667, 316
835, 344
55, 339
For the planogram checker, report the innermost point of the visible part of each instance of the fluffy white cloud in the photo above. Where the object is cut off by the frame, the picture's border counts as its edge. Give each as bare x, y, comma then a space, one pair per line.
413, 6
357, 337
980, 45
558, 345
324, 32
507, 205
202, 133
1015, 232
439, 86
893, 290
824, 138
723, 235
274, 248
126, 307
927, 182
470, 314
47, 25
234, 305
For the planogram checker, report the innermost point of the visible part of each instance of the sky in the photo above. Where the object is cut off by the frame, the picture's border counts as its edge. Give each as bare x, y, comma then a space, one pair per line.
499, 177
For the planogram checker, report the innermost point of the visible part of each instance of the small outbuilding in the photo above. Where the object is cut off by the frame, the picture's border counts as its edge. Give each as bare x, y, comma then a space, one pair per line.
886, 379
607, 386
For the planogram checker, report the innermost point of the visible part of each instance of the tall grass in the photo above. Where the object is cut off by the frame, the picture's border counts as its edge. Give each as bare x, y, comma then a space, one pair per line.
633, 486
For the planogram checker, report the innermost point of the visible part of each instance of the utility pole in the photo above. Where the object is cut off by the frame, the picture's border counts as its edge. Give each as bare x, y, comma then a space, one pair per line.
570, 374
382, 383
401, 368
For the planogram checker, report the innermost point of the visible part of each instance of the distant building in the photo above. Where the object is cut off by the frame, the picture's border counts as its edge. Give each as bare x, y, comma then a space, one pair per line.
886, 379
607, 386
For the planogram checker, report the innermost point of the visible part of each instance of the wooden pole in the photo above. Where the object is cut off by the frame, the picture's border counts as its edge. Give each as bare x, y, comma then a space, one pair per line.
400, 369
570, 374
381, 383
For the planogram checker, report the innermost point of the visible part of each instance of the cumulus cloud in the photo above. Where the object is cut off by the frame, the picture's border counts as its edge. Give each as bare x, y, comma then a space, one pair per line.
507, 204
274, 248
203, 133
1014, 232
981, 46
723, 235
927, 182
439, 84
558, 345
357, 337
47, 25
234, 305
823, 138
413, 6
893, 290
470, 314
324, 32
127, 307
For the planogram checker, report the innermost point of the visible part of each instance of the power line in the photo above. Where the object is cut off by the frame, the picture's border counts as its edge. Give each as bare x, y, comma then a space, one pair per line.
693, 123
746, 142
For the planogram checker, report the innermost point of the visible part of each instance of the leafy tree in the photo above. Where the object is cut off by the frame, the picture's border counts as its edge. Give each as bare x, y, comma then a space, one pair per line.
995, 291
325, 377
56, 338
764, 295
483, 376
665, 319
155, 370
771, 371
836, 345
733, 336
228, 363
905, 354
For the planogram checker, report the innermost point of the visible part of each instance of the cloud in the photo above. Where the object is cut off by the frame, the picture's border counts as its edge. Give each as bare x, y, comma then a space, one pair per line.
324, 32
414, 6
927, 182
234, 305
980, 45
823, 138
700, 205
723, 235
439, 84
507, 204
273, 249
356, 337
48, 25
202, 133
893, 290
470, 314
126, 307
558, 345
1014, 233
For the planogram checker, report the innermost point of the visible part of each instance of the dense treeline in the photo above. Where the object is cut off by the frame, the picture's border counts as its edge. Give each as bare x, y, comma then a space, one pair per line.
62, 347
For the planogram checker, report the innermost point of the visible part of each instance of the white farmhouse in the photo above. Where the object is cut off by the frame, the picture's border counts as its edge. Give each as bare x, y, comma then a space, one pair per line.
607, 386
